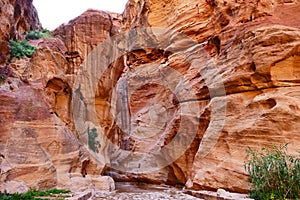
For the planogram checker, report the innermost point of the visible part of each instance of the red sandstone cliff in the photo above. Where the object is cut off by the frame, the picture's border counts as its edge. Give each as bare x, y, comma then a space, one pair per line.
253, 47
39, 146
186, 103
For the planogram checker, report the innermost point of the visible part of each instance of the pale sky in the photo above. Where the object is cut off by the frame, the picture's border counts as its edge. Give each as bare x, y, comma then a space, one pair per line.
56, 12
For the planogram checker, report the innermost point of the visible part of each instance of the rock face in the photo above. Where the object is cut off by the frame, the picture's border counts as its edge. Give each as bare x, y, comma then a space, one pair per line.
170, 92
38, 144
237, 74
251, 50
17, 17
82, 34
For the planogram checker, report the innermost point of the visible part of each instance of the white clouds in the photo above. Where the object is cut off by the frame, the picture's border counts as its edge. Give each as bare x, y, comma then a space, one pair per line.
55, 12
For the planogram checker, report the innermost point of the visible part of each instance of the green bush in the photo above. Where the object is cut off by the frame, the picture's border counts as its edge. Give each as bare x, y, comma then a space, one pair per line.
32, 194
20, 49
274, 174
34, 35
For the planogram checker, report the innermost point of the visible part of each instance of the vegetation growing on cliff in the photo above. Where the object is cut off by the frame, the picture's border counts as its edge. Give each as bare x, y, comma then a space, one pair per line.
33, 194
20, 49
274, 174
34, 35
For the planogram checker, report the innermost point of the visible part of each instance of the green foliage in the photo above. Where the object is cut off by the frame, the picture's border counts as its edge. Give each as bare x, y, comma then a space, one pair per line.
57, 191
15, 196
93, 145
34, 35
274, 174
47, 192
32, 194
20, 49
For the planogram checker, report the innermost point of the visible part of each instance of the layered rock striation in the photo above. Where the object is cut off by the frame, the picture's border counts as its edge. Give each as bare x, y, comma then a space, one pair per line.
240, 75
226, 53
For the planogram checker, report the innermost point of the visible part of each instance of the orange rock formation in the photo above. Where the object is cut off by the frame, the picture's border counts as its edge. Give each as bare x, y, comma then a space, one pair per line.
185, 88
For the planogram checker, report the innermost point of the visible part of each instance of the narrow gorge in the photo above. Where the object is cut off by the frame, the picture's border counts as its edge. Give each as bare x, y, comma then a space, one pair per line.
169, 92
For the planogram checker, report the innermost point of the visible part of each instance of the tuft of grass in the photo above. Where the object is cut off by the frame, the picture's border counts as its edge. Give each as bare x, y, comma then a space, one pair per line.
34, 35
274, 174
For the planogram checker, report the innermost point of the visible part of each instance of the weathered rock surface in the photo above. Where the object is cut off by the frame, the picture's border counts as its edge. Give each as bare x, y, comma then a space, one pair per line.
38, 147
95, 183
17, 18
182, 108
82, 34
38, 144
255, 53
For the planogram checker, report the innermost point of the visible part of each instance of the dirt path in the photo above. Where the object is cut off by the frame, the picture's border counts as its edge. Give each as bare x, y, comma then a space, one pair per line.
132, 191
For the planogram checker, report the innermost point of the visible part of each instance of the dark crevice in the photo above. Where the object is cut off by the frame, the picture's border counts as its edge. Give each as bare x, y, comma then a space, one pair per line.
111, 25
253, 66
223, 20
18, 11
84, 167
288, 81
176, 180
215, 41
212, 3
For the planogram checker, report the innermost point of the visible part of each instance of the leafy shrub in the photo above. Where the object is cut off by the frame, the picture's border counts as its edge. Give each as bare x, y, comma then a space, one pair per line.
32, 194
34, 35
274, 174
5, 72
93, 145
20, 49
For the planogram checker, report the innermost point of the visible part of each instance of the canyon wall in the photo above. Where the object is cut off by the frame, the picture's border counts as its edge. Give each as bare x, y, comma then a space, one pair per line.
232, 84
168, 92
39, 147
